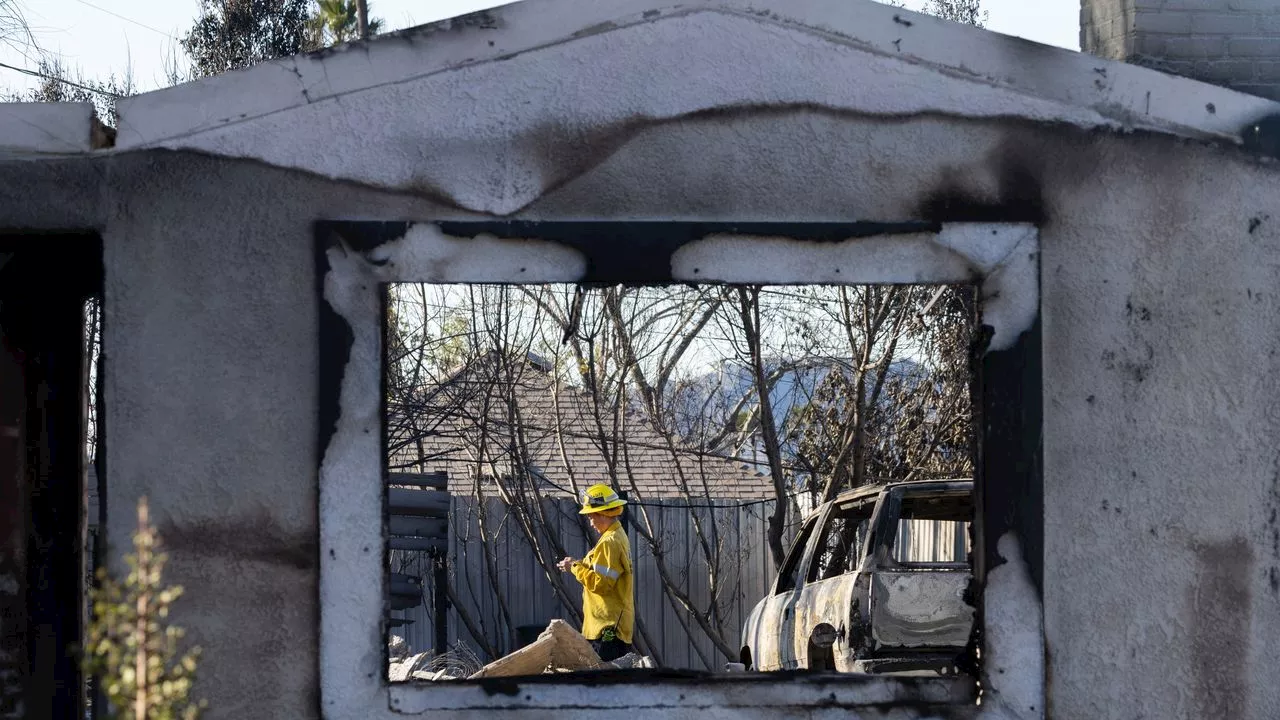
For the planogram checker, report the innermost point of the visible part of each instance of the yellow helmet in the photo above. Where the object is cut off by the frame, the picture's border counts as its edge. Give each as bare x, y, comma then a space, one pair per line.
599, 498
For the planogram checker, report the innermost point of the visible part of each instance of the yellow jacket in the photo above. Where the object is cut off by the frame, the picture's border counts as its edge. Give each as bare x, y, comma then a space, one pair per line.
608, 597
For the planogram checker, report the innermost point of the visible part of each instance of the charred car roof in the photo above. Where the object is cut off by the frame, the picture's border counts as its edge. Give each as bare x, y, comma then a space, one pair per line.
872, 490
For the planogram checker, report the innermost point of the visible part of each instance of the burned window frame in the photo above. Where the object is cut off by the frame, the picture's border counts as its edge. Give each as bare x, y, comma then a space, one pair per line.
894, 505
356, 260
858, 549
797, 559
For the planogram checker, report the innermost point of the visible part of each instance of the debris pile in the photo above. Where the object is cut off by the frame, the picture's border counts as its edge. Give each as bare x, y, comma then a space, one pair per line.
559, 649
398, 649
408, 667
454, 664
630, 661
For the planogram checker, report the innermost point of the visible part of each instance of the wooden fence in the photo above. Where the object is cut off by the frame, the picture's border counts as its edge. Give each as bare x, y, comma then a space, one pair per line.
744, 568
511, 576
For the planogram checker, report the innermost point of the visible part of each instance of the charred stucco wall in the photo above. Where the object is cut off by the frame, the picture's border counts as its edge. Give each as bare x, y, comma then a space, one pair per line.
1159, 313
1161, 363
212, 394
1161, 328
210, 387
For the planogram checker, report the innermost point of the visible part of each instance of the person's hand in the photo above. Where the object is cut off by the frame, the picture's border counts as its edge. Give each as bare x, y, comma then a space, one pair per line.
565, 564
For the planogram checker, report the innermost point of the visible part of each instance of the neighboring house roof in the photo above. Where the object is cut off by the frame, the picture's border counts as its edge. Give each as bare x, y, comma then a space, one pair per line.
562, 430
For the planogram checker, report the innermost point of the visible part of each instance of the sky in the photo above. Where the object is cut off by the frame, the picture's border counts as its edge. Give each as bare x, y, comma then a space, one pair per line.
105, 37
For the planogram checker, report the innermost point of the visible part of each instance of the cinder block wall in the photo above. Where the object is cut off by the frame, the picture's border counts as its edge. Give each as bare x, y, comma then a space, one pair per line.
1234, 43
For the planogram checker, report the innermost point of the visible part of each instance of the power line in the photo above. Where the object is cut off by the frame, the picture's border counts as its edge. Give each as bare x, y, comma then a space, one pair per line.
128, 20
54, 78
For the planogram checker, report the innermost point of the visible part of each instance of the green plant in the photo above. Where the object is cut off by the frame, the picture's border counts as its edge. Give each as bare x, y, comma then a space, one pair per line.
131, 648
340, 21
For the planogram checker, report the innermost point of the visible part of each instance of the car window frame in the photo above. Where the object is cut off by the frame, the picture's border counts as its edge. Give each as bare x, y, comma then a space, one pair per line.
832, 508
802, 553
893, 515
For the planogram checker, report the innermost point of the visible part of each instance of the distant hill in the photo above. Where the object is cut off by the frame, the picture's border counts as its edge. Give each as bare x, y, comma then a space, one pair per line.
719, 392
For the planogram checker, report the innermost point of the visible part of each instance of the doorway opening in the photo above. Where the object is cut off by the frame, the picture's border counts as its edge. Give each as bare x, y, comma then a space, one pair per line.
48, 403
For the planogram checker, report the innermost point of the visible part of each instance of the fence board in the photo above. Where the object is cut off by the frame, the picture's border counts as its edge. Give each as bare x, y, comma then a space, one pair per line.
679, 530
702, 650
646, 584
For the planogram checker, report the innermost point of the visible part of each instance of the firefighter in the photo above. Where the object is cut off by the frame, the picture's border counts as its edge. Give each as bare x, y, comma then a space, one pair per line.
608, 598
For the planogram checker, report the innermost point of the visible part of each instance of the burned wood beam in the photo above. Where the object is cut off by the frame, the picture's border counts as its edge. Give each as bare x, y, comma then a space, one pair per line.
418, 503
559, 647
402, 584
405, 591
422, 544
417, 527
435, 481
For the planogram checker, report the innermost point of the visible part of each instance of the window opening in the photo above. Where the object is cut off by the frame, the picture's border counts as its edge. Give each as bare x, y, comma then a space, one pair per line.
356, 262
705, 408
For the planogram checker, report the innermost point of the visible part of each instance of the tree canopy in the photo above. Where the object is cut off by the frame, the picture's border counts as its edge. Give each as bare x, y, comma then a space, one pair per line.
233, 34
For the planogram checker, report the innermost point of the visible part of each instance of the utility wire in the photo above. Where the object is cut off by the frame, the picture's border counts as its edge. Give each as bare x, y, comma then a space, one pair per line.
128, 20
44, 76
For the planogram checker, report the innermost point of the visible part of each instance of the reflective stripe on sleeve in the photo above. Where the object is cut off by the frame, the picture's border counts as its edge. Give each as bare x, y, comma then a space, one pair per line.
611, 574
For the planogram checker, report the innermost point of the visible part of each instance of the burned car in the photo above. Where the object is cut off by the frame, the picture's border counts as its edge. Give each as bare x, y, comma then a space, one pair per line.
876, 580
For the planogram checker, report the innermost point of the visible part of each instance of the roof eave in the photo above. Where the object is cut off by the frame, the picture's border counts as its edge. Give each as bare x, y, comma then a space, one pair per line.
1126, 96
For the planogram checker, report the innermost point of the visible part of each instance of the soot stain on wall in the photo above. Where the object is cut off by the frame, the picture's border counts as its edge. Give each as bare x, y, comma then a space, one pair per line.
1033, 157
563, 154
1033, 161
1262, 136
1134, 360
1273, 529
336, 339
1221, 603
259, 538
1018, 199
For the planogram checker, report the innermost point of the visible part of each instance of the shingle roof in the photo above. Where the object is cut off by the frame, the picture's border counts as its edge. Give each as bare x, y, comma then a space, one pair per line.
567, 439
